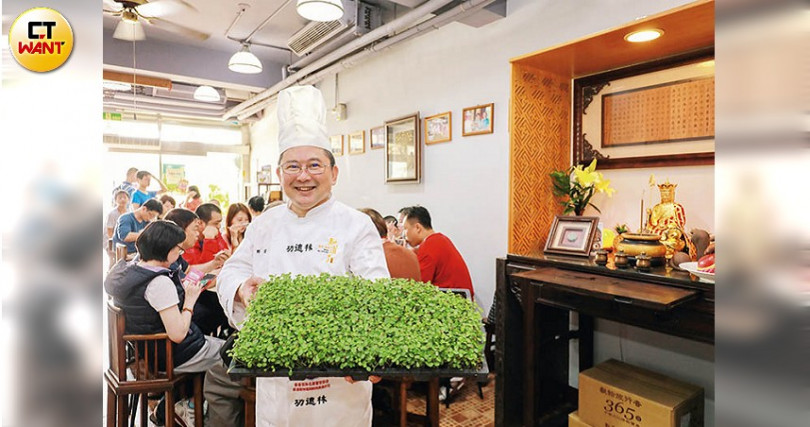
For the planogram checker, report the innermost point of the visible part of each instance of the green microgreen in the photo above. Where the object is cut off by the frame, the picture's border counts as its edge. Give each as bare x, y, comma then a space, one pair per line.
346, 322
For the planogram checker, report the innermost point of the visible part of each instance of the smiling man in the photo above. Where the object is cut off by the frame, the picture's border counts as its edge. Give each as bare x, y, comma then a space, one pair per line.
314, 234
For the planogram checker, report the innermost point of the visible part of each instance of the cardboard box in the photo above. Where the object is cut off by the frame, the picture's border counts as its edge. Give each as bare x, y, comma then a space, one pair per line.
615, 394
575, 421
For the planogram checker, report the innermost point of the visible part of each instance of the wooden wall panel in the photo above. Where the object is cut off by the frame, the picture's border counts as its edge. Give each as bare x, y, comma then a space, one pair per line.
540, 144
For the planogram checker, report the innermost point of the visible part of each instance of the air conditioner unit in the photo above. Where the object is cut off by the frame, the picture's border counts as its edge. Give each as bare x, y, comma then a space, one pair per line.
359, 18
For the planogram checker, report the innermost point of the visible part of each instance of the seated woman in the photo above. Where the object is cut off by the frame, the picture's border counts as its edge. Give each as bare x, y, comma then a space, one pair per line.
168, 203
236, 222
154, 300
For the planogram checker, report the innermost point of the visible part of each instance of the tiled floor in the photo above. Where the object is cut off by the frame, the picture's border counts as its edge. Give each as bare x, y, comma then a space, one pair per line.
466, 409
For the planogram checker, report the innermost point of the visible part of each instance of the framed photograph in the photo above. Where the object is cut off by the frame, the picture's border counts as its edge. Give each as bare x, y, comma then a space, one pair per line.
357, 142
377, 137
477, 120
337, 145
649, 115
571, 235
402, 150
438, 128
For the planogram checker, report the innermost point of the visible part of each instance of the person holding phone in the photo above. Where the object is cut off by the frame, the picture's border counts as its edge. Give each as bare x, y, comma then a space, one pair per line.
155, 300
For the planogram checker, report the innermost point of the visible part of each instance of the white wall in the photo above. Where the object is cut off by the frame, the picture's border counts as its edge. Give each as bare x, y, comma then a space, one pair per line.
465, 181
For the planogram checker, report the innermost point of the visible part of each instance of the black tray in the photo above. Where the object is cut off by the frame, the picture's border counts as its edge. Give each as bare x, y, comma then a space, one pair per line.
237, 371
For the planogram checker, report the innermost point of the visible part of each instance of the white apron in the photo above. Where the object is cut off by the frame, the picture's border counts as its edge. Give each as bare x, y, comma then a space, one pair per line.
316, 402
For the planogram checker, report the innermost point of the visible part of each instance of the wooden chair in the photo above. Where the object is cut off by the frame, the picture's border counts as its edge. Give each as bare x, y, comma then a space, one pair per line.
248, 394
431, 417
142, 363
120, 252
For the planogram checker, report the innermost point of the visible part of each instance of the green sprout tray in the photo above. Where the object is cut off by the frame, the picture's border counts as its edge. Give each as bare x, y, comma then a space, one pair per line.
238, 370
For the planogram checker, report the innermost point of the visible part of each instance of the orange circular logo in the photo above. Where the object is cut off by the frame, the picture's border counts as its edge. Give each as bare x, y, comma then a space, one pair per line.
40, 39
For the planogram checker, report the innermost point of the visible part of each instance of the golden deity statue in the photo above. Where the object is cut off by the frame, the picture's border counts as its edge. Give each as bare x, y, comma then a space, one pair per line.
667, 215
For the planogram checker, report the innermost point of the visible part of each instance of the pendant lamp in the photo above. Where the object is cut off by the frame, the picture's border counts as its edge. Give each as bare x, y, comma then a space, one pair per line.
245, 62
320, 10
206, 93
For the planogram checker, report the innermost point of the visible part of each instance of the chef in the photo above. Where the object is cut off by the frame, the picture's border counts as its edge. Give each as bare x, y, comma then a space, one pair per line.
313, 234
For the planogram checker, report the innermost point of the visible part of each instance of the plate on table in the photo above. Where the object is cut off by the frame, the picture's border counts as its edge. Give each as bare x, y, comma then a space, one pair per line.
692, 268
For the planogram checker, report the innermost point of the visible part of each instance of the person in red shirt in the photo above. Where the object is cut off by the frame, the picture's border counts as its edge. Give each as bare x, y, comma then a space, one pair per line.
211, 245
439, 260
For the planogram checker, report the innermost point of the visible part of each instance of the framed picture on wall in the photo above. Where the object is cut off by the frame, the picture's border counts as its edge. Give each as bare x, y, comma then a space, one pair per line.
438, 128
655, 114
402, 150
337, 145
377, 137
478, 120
357, 142
571, 235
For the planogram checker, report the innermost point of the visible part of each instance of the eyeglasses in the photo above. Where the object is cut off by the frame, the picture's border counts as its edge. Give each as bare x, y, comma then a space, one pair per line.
312, 168
182, 251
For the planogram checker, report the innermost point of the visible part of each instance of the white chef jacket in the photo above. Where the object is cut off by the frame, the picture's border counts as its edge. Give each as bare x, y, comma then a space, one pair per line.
332, 238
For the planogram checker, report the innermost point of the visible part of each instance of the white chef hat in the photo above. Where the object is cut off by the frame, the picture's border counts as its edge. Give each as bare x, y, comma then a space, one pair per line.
302, 118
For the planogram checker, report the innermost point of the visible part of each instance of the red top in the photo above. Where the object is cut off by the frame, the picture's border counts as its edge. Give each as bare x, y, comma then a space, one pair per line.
402, 262
193, 204
442, 264
205, 251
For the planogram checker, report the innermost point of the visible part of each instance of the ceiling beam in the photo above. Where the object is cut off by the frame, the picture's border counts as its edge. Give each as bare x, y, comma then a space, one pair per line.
174, 59
138, 80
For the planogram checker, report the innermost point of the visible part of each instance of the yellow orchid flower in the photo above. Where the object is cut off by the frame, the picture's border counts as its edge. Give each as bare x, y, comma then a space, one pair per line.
586, 178
603, 186
592, 166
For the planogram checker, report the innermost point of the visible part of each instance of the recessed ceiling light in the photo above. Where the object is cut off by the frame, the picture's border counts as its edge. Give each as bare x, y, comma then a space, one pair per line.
643, 35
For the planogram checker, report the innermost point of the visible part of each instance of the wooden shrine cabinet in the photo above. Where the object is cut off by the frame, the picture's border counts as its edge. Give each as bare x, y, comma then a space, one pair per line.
539, 298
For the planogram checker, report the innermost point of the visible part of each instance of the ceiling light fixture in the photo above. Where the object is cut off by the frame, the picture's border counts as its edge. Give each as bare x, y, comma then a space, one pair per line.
320, 10
129, 28
245, 62
643, 35
206, 93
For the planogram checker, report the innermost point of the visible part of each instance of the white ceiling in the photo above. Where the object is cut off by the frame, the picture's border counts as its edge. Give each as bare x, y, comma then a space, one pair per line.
192, 61
214, 17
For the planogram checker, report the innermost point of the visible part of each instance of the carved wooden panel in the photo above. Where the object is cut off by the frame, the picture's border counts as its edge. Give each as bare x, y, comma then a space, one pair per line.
540, 144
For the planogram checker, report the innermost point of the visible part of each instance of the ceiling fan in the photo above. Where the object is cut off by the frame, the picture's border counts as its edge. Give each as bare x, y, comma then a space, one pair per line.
134, 12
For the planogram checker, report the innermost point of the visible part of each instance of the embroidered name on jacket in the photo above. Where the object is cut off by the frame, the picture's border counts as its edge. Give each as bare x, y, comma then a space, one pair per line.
330, 249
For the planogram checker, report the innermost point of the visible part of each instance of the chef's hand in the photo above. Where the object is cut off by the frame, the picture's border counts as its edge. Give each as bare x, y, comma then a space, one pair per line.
373, 378
248, 289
